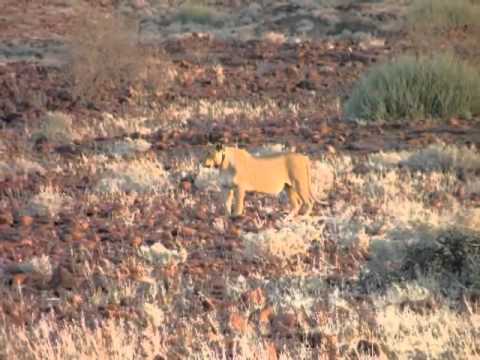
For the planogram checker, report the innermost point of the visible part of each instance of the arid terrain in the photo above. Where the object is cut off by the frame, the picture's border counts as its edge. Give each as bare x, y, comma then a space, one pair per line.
113, 238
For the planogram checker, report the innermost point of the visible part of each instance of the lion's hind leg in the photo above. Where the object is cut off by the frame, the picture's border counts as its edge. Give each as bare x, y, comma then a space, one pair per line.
304, 194
228, 201
238, 205
294, 200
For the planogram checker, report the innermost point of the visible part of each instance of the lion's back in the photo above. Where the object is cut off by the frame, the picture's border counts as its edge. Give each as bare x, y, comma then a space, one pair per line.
270, 173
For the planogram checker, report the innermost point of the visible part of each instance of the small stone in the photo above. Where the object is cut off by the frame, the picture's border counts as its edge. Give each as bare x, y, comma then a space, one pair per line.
271, 351
238, 323
330, 149
188, 231
26, 220
265, 315
6, 218
19, 279
186, 185
254, 297
136, 241
368, 348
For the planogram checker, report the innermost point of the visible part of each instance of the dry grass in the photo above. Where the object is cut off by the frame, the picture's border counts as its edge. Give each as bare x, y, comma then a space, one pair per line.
200, 14
140, 176
57, 127
106, 57
294, 239
20, 166
79, 340
48, 202
385, 211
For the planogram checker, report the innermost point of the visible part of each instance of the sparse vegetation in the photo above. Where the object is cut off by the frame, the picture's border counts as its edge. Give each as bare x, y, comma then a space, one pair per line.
106, 56
411, 88
140, 175
113, 238
199, 14
439, 15
57, 127
48, 202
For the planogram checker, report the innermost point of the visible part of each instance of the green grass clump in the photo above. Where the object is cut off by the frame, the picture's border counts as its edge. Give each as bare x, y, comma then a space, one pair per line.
418, 88
444, 14
199, 14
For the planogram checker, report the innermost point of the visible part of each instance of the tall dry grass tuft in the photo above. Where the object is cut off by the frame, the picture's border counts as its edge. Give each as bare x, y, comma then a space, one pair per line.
106, 56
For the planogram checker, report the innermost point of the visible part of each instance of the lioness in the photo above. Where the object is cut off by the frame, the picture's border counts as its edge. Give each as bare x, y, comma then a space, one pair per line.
241, 172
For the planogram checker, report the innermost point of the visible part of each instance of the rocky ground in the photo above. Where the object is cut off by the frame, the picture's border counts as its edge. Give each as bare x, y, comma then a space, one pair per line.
107, 218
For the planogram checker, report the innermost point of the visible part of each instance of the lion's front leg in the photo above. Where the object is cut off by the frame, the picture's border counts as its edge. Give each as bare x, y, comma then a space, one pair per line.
239, 201
228, 201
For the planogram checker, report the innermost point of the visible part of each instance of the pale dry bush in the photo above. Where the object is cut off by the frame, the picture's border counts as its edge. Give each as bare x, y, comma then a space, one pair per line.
140, 175
273, 37
208, 179
294, 291
38, 267
435, 157
57, 127
105, 55
472, 186
127, 147
183, 111
48, 202
401, 199
113, 339
322, 177
154, 314
294, 239
440, 334
439, 157
109, 125
402, 214
20, 166
382, 161
159, 254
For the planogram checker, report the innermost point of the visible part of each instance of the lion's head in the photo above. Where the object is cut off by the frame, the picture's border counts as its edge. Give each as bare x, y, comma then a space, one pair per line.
215, 156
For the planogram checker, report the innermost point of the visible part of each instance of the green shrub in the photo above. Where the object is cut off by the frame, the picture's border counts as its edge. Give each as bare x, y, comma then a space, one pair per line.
199, 14
416, 88
456, 252
444, 14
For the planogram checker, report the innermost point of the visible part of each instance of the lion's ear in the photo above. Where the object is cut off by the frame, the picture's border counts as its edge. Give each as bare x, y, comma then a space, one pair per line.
219, 147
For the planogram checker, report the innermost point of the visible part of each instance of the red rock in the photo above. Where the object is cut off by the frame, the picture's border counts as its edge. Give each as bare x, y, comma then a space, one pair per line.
235, 231
285, 324
331, 149
271, 351
26, 242
77, 235
19, 279
455, 122
62, 277
265, 315
6, 218
26, 220
76, 299
186, 186
316, 138
188, 231
136, 241
254, 297
201, 213
238, 323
